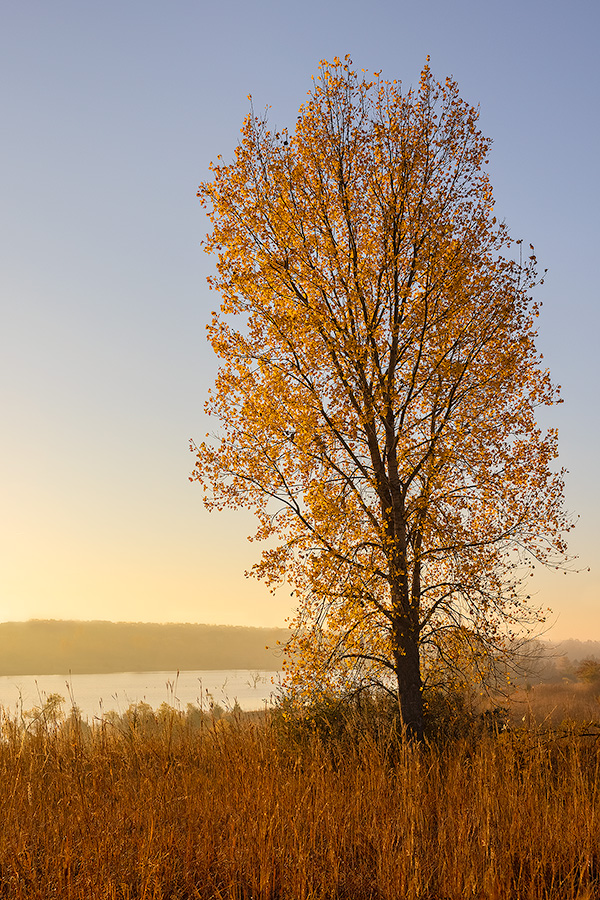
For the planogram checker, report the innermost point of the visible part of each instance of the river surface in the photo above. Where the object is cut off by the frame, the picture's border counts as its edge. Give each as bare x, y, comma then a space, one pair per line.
98, 694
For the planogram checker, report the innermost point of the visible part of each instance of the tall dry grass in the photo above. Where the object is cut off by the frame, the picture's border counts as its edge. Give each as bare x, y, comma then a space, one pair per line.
151, 807
553, 705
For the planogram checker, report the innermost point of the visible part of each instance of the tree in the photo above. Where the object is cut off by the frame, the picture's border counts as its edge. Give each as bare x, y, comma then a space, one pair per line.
379, 382
588, 670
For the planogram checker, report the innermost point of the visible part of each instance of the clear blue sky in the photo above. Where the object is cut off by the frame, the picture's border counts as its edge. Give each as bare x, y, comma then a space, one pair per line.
111, 113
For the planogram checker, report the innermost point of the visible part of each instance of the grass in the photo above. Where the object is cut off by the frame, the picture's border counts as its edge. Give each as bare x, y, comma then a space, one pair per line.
170, 806
552, 705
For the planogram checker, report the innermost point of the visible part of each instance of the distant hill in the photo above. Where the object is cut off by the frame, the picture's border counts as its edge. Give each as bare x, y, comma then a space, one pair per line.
54, 647
576, 651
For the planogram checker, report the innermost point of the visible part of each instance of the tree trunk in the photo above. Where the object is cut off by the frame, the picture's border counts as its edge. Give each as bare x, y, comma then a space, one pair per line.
410, 688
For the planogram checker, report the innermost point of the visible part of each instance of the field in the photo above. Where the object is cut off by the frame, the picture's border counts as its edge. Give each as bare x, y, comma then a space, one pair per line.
170, 806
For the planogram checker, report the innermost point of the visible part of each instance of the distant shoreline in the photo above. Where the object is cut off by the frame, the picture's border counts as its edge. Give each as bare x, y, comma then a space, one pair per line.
63, 647
51, 647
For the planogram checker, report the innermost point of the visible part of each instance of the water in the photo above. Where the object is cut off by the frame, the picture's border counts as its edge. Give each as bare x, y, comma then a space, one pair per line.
97, 694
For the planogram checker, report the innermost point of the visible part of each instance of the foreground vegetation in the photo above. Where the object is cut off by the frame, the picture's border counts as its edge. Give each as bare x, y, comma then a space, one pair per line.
172, 805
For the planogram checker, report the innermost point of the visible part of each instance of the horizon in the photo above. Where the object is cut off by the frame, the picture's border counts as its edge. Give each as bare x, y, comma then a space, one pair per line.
544, 636
139, 622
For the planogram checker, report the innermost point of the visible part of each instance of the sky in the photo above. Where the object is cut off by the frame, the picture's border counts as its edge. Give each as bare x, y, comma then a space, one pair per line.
111, 114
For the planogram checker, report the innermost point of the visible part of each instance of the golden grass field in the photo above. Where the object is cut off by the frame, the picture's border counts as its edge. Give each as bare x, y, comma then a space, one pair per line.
170, 806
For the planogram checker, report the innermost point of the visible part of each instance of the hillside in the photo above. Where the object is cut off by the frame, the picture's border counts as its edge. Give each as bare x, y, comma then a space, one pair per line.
50, 647
576, 651
53, 647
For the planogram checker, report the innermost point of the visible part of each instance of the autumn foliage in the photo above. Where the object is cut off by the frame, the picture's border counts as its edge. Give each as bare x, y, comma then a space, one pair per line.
379, 382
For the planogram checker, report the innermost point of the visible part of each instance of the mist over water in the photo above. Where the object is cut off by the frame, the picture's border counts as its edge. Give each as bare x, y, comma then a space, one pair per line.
95, 695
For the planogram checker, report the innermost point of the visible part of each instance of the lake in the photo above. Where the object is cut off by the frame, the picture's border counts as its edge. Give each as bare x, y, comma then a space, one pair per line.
97, 694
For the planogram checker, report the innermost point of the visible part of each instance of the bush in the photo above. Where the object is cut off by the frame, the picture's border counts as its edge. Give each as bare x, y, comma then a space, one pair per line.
589, 671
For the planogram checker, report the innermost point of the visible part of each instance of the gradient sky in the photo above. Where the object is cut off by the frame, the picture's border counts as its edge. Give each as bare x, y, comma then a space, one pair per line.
111, 113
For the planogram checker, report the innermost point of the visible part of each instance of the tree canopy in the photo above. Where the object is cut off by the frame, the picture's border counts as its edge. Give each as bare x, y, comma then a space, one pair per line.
379, 382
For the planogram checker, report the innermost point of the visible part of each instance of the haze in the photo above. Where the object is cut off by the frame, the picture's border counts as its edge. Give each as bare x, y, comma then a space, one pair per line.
111, 115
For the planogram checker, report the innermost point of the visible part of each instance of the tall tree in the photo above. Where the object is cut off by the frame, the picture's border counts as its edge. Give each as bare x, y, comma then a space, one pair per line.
378, 387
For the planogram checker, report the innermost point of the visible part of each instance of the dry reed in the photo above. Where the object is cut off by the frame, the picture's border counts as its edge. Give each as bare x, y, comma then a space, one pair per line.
152, 808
